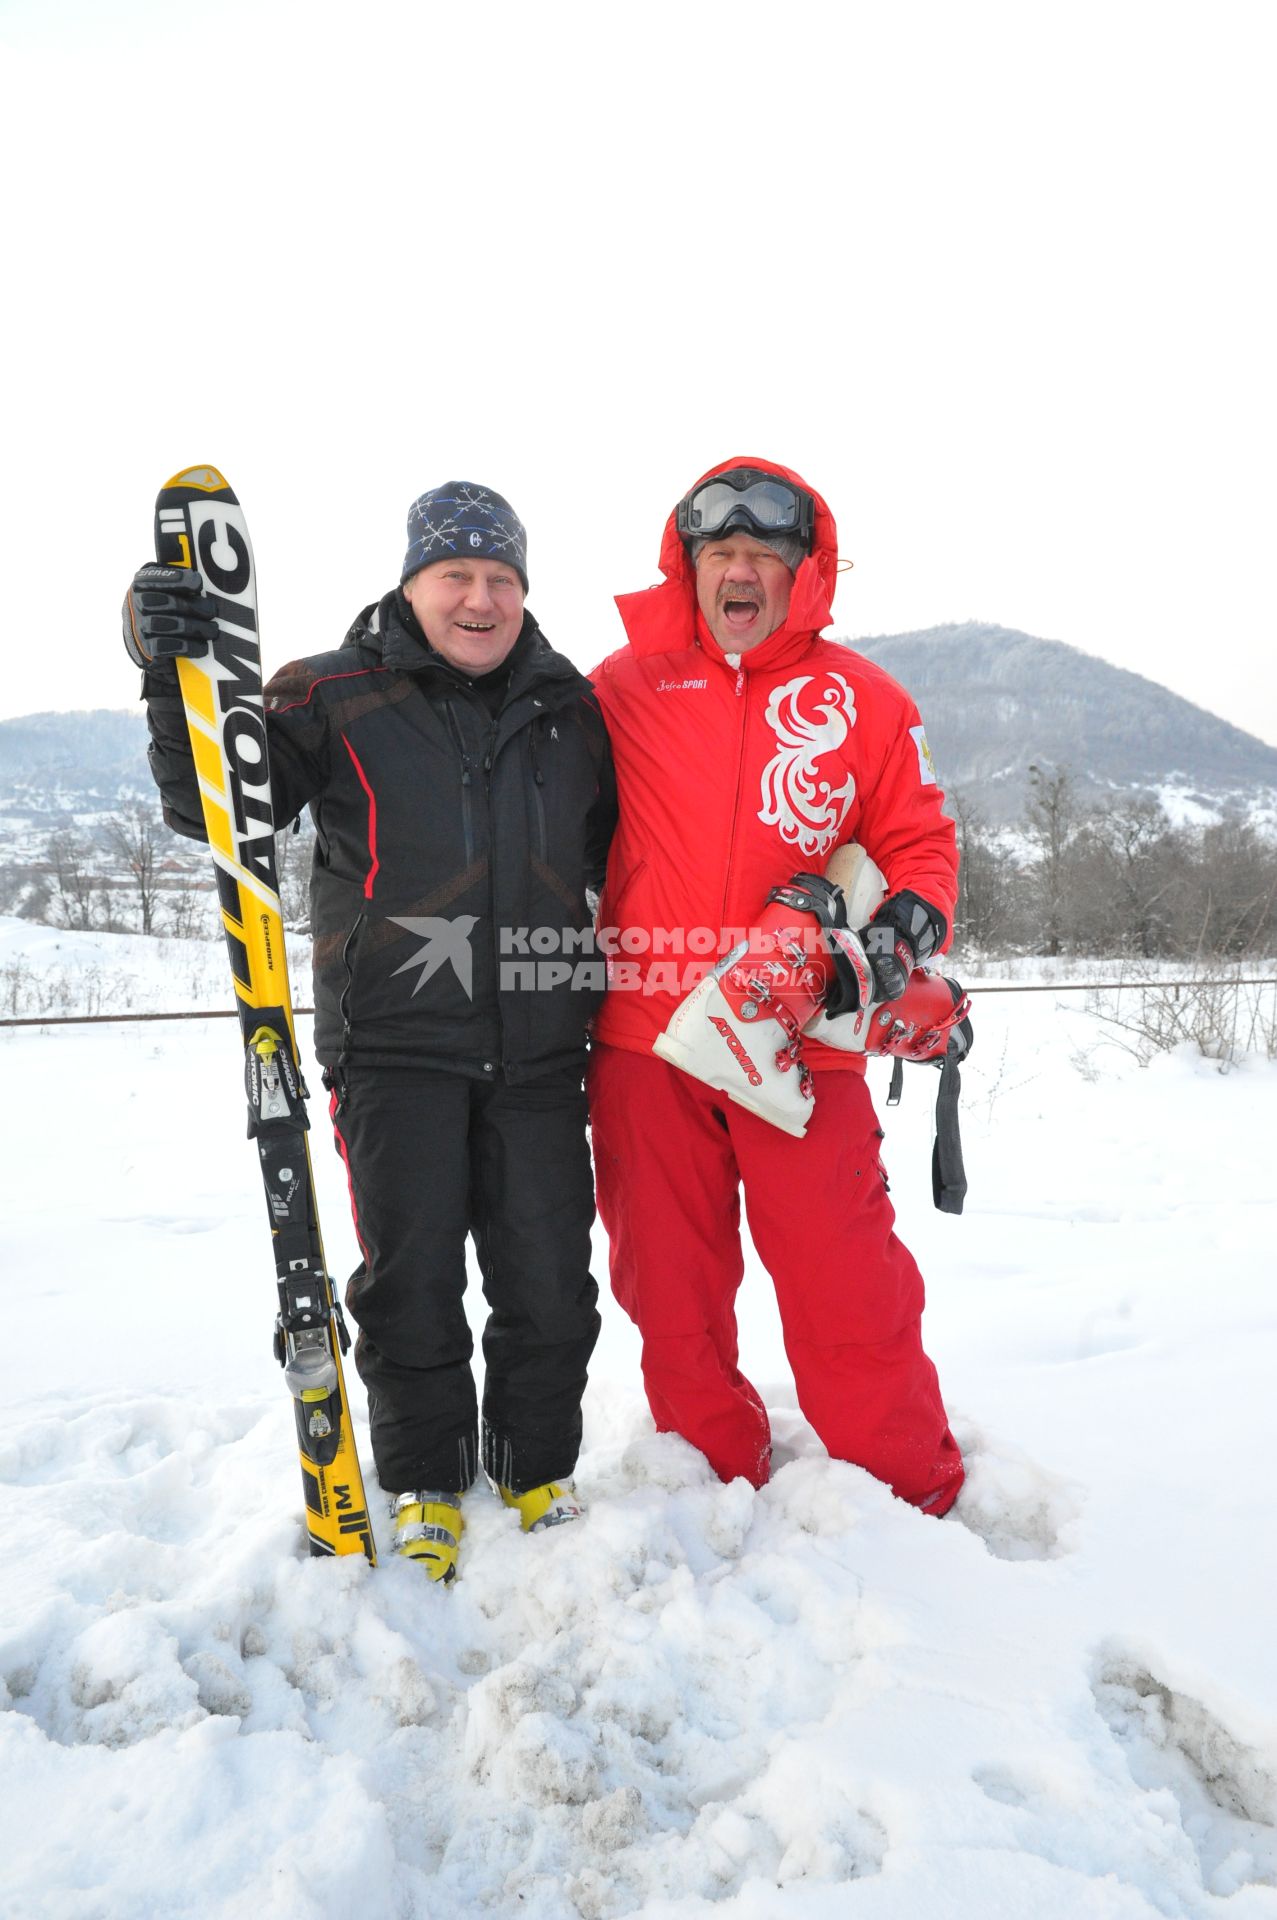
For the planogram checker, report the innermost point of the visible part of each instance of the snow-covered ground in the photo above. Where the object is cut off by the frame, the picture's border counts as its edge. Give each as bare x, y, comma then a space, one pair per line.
809, 1701
47, 970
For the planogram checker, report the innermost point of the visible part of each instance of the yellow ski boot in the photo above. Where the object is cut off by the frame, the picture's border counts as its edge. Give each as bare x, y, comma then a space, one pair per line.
541, 1507
428, 1529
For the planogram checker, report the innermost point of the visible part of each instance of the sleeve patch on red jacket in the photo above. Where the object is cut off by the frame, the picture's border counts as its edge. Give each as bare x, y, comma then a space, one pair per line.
926, 765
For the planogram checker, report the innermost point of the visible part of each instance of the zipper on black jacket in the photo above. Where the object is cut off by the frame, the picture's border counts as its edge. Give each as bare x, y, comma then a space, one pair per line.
538, 781
467, 809
488, 758
348, 951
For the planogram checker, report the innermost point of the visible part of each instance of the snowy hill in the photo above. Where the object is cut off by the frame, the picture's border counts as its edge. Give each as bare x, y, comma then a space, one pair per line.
67, 761
996, 701
808, 1701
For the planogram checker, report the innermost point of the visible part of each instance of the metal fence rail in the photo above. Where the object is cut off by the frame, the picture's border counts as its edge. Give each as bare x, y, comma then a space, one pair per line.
232, 1013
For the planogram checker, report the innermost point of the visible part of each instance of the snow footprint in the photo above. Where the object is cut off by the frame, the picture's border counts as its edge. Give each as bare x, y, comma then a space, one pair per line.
1008, 1786
1016, 1507
1225, 1791
119, 1440
521, 1733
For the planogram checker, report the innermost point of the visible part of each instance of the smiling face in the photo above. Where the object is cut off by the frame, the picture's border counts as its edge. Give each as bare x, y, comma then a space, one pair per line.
743, 590
471, 611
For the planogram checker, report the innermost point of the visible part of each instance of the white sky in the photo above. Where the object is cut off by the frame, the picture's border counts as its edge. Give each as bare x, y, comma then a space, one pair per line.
998, 278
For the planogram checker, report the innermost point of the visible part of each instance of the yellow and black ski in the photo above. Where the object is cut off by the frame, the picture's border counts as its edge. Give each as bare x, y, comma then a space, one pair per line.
199, 523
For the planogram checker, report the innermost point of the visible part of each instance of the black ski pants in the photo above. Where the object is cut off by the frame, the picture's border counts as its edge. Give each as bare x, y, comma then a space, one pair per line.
433, 1157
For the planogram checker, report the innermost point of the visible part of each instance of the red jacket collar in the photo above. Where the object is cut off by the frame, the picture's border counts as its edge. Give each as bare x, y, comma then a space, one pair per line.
777, 650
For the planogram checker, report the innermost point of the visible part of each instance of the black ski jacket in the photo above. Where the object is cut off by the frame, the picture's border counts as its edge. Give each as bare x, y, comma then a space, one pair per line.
430, 808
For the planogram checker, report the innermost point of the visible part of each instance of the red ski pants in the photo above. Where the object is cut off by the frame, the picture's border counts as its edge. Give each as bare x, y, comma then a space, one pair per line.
671, 1156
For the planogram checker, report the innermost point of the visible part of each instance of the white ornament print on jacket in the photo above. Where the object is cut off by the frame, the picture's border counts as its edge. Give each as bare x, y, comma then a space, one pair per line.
808, 809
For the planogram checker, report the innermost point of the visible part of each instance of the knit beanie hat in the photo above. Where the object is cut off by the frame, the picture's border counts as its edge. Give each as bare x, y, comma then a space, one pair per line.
787, 546
461, 520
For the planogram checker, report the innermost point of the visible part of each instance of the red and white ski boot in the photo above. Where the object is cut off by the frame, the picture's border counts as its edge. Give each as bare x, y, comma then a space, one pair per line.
724, 1032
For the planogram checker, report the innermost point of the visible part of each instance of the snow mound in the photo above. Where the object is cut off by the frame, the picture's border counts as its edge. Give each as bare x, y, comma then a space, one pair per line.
699, 1695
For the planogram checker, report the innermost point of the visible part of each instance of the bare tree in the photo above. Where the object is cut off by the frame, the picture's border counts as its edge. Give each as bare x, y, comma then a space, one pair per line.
293, 849
13, 882
185, 908
1234, 889
986, 879
1052, 818
135, 838
1127, 878
69, 856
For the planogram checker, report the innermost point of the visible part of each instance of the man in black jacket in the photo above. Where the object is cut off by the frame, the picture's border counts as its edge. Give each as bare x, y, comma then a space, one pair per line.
458, 773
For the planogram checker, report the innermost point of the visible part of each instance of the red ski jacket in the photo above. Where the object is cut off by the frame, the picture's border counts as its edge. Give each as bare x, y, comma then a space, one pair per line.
736, 771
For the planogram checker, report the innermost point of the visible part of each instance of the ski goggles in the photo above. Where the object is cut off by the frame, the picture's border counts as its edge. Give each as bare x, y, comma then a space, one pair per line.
746, 497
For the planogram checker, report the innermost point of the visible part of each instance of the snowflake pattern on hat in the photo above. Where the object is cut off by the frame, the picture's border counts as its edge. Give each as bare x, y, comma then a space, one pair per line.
459, 518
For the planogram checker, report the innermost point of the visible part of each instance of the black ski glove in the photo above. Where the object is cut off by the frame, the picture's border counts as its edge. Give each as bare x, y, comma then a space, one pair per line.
166, 613
904, 931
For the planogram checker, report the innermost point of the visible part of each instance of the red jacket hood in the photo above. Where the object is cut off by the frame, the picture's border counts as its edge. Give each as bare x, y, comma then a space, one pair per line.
662, 619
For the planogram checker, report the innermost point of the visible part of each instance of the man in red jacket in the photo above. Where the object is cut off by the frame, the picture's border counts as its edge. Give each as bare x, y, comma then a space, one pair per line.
747, 747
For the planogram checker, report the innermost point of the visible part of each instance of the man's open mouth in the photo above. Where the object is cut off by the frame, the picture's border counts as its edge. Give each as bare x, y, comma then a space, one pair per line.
740, 613
476, 626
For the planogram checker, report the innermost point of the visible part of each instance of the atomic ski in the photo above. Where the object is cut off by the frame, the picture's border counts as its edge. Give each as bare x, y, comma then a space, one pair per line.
199, 523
